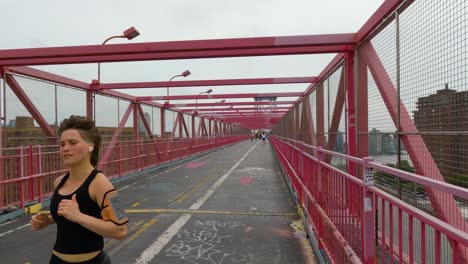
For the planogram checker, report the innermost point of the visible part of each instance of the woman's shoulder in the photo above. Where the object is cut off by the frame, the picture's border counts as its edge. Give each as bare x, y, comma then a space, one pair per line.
100, 185
101, 181
101, 178
58, 180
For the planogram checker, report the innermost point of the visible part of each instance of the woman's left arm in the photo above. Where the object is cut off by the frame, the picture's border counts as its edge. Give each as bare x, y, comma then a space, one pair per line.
70, 210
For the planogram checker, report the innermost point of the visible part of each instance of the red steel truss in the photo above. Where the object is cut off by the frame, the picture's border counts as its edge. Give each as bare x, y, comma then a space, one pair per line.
304, 136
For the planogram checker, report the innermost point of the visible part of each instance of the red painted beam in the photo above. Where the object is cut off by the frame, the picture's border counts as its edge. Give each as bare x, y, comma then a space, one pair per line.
246, 118
247, 112
262, 46
377, 18
224, 82
144, 121
29, 105
178, 55
218, 96
38, 74
107, 153
443, 203
190, 45
325, 72
234, 109
233, 104
249, 118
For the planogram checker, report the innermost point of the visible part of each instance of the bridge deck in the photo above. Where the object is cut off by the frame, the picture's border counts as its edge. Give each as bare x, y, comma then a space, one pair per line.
228, 206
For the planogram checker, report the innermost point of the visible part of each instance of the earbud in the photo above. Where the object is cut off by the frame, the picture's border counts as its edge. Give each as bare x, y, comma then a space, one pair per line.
90, 149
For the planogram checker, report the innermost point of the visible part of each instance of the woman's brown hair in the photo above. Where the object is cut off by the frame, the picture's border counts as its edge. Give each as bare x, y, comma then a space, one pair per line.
88, 132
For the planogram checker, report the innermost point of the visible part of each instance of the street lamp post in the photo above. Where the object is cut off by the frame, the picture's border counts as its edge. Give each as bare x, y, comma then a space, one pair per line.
184, 74
212, 107
129, 34
196, 99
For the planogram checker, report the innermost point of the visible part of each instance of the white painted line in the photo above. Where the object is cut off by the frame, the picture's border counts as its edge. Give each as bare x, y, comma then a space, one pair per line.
9, 222
170, 232
13, 230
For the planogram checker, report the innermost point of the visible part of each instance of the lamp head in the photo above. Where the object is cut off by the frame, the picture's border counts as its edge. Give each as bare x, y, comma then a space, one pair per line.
166, 105
209, 90
222, 101
186, 73
131, 33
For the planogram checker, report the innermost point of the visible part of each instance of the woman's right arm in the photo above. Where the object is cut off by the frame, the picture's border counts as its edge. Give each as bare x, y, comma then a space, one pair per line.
42, 220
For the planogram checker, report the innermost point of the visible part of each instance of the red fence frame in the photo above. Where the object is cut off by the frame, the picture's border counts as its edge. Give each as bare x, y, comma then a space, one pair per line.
32, 169
343, 218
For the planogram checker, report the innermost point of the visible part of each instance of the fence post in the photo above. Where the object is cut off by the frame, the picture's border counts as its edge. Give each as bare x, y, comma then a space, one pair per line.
140, 154
301, 171
119, 153
1, 177
21, 175
30, 172
320, 157
39, 166
368, 215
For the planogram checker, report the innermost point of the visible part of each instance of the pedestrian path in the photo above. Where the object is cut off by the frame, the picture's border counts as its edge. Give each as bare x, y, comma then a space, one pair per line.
227, 206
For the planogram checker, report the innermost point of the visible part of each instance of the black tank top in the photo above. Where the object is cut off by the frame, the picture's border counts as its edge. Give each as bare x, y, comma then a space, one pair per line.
73, 238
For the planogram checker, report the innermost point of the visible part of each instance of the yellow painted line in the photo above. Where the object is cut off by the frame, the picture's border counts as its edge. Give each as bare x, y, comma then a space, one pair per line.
181, 197
33, 208
130, 239
109, 244
137, 204
308, 252
131, 227
217, 212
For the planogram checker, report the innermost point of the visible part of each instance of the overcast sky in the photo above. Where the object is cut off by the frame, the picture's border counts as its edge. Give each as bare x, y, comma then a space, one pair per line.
49, 23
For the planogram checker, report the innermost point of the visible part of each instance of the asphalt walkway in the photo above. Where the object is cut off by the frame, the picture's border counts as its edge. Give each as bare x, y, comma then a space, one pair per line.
227, 206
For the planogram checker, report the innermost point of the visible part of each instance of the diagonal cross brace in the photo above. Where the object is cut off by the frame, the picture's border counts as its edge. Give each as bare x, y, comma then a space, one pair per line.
28, 104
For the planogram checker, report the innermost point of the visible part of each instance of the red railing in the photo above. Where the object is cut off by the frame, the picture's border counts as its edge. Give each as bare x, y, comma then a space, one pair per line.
356, 222
28, 172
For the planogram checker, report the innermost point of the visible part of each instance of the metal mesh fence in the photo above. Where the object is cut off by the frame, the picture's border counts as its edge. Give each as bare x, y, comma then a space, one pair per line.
423, 54
107, 111
70, 101
434, 81
313, 109
188, 124
170, 117
156, 121
197, 126
147, 112
417, 95
326, 108
206, 125
299, 122
20, 126
382, 130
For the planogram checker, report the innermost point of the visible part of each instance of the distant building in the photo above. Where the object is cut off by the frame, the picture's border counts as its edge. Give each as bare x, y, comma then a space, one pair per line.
445, 115
12, 123
340, 142
375, 142
141, 125
24, 133
382, 143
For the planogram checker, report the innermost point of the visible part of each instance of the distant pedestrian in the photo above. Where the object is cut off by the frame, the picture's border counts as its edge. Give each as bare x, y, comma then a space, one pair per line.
263, 138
